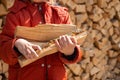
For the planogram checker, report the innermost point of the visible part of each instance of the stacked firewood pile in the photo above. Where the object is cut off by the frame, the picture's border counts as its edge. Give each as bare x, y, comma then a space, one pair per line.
4, 5
101, 19
101, 58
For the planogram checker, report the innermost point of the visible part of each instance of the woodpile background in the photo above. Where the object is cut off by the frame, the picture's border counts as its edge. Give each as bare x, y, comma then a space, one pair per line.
101, 58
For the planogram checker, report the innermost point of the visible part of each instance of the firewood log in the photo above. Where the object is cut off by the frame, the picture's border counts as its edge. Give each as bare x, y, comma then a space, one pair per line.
44, 32
49, 50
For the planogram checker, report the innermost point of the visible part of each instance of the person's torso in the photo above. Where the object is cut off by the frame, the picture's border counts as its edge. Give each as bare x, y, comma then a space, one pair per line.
46, 68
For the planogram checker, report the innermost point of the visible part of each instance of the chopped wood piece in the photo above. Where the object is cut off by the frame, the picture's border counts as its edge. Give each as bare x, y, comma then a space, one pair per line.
0, 31
89, 67
94, 70
94, 33
95, 17
89, 53
101, 73
72, 16
105, 44
118, 15
112, 54
104, 32
98, 37
3, 11
1, 68
77, 78
71, 78
49, 50
6, 75
75, 68
86, 76
118, 58
84, 63
90, 2
63, 2
1, 78
69, 73
111, 31
80, 9
102, 22
111, 12
44, 32
5, 66
89, 8
116, 71
8, 3
116, 23
81, 18
108, 24
0, 23
116, 39
116, 47
117, 31
102, 3
79, 1
112, 63
71, 4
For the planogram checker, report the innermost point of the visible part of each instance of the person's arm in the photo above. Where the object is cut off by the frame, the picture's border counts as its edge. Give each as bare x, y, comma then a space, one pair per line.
75, 57
67, 19
8, 52
77, 54
10, 47
69, 51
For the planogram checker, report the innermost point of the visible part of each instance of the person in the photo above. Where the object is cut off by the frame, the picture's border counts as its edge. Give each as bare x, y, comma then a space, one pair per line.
30, 13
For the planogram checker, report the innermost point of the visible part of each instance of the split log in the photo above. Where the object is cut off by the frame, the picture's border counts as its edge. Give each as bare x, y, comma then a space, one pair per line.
0, 31
77, 78
94, 70
80, 9
71, 4
1, 77
84, 63
75, 68
0, 24
81, 18
102, 3
90, 2
8, 3
72, 16
112, 54
44, 32
86, 76
3, 11
5, 67
79, 1
49, 50
1, 68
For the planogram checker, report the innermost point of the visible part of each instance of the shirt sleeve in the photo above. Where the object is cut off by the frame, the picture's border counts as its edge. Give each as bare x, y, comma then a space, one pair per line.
75, 57
67, 19
7, 51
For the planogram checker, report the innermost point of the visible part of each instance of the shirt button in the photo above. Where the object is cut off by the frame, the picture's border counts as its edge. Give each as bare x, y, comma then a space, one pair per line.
49, 66
40, 22
42, 65
35, 4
